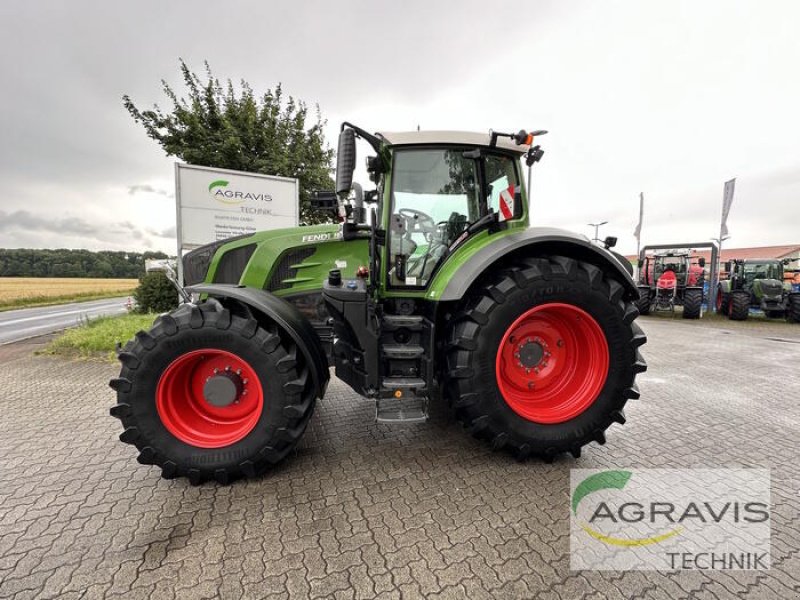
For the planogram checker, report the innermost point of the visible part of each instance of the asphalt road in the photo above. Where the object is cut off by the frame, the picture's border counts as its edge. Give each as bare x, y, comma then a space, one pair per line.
16, 325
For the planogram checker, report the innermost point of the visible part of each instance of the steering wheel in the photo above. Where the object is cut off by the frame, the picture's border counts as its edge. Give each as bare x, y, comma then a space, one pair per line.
418, 222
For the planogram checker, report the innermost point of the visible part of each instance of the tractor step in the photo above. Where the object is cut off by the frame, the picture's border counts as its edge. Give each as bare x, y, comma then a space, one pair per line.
403, 384
395, 322
402, 351
408, 409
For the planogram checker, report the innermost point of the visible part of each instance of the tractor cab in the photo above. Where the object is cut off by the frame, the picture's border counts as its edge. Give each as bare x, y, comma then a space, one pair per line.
689, 270
752, 270
434, 191
437, 192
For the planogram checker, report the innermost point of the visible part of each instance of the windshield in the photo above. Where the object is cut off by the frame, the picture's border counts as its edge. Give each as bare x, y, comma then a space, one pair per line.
436, 195
676, 264
754, 271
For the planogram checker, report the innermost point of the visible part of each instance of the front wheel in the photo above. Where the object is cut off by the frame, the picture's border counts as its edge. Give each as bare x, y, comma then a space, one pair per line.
692, 302
793, 308
739, 305
542, 359
210, 395
643, 303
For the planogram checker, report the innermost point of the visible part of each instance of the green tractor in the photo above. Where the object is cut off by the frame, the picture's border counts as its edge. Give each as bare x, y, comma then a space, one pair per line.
757, 283
442, 291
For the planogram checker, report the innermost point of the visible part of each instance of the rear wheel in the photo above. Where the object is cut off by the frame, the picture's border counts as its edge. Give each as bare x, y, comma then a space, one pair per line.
209, 395
793, 309
739, 305
542, 359
692, 303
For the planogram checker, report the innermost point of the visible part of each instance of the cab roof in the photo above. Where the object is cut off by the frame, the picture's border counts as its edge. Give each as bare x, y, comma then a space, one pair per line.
461, 138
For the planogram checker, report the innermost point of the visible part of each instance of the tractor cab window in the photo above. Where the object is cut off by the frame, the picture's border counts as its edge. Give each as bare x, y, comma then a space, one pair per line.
501, 175
753, 271
675, 265
435, 196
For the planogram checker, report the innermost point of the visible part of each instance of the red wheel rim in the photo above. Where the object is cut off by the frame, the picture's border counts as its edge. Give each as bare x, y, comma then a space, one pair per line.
552, 363
719, 301
184, 410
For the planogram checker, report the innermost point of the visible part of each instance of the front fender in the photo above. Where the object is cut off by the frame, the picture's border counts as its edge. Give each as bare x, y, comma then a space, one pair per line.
537, 241
285, 316
725, 286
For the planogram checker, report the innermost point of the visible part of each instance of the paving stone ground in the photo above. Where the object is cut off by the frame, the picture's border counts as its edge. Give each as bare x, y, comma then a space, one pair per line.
364, 510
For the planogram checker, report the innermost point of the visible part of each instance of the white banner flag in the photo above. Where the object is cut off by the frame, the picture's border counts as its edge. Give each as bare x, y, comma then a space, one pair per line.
727, 200
638, 231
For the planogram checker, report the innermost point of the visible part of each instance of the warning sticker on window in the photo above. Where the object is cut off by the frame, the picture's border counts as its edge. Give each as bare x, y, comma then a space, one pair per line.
507, 204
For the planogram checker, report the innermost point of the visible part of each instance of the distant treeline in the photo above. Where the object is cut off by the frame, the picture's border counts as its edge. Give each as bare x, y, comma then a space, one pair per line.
21, 262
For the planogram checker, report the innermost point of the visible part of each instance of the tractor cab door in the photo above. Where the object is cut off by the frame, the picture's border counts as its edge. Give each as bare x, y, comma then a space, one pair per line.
437, 193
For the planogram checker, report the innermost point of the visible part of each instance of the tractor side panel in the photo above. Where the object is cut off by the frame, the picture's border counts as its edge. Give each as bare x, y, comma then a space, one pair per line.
287, 261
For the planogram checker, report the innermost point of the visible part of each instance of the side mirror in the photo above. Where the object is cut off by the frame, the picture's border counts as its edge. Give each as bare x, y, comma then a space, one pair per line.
727, 266
610, 242
324, 200
345, 161
701, 261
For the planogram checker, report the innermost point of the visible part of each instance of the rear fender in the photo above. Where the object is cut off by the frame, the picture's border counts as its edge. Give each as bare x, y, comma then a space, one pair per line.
285, 316
538, 241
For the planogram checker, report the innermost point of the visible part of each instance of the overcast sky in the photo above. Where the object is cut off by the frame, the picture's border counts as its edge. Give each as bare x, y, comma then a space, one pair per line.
667, 98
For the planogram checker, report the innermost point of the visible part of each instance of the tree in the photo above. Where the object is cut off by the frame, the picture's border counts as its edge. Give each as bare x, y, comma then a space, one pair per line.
155, 294
223, 127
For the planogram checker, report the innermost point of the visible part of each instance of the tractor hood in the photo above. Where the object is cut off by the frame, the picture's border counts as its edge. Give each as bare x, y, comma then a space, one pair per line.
281, 261
767, 287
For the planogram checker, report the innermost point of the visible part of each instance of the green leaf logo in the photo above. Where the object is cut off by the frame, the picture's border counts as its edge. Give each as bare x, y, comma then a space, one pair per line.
612, 480
217, 183
599, 481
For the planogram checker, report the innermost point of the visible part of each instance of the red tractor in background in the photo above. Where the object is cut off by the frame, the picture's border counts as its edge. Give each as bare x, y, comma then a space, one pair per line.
669, 279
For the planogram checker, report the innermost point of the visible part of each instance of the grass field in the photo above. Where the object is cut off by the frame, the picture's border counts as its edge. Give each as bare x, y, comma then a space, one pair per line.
23, 292
98, 337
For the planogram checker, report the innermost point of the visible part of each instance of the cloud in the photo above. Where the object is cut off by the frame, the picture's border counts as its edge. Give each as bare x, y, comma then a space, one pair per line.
148, 189
33, 229
667, 98
22, 219
169, 232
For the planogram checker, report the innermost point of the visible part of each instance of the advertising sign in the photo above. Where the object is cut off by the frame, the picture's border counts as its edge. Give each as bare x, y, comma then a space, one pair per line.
215, 204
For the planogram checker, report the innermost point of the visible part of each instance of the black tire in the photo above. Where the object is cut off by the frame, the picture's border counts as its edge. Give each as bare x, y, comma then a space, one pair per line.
643, 303
739, 307
288, 396
793, 308
692, 302
475, 332
723, 302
